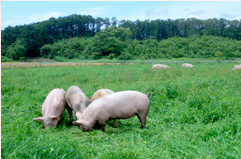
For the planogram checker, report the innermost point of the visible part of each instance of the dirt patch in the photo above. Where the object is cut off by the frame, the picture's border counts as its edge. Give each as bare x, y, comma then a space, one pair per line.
52, 64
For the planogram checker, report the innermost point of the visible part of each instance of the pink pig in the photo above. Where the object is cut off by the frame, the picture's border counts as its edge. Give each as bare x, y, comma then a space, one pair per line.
120, 105
52, 108
77, 101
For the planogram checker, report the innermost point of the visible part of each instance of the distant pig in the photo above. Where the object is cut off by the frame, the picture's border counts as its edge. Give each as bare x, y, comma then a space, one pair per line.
160, 66
187, 65
120, 105
52, 108
77, 101
236, 67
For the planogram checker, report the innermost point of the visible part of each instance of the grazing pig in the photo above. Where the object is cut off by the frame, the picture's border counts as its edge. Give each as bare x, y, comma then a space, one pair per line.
52, 108
120, 105
160, 66
236, 67
77, 101
101, 93
187, 65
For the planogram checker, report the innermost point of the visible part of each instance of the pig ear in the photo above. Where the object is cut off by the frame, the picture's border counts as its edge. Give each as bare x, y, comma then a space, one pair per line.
78, 123
41, 119
54, 117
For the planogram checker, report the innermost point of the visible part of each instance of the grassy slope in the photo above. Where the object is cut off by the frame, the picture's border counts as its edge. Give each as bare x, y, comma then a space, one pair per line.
194, 113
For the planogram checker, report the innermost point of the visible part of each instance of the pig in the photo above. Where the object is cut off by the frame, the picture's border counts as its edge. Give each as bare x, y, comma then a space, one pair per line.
52, 108
236, 67
100, 93
119, 105
77, 101
160, 66
187, 65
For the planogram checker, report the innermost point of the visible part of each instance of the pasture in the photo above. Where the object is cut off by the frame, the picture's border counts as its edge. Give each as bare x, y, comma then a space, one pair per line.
194, 113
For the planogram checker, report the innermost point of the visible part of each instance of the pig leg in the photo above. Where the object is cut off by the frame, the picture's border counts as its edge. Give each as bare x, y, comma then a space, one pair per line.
142, 119
115, 123
70, 114
103, 128
61, 119
102, 125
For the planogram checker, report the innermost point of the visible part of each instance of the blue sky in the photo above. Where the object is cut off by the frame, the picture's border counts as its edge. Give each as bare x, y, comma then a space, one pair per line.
25, 12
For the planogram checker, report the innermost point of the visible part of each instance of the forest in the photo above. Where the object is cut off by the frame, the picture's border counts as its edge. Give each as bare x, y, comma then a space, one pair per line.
85, 37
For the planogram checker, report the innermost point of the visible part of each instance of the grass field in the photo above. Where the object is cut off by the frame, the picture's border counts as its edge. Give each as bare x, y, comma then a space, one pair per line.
194, 113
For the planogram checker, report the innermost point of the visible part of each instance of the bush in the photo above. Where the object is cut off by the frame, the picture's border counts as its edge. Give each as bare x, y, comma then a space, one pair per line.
111, 56
60, 59
108, 44
126, 56
68, 48
5, 59
16, 50
96, 55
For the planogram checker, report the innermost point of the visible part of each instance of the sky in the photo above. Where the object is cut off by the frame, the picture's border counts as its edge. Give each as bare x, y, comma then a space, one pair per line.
26, 12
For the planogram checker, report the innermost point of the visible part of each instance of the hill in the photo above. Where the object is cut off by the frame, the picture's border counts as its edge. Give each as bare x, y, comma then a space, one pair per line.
29, 40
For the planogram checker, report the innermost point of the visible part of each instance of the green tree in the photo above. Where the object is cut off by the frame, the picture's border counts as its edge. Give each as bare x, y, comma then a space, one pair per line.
110, 41
114, 21
16, 50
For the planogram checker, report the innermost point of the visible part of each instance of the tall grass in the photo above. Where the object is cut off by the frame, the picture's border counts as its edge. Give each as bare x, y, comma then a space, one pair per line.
194, 113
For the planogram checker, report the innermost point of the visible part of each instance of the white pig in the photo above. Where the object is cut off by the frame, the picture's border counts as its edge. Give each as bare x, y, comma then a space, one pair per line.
236, 67
52, 108
100, 93
77, 101
187, 65
120, 105
160, 66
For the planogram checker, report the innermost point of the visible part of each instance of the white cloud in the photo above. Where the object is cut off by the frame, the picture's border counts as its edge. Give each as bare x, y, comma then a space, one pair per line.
200, 12
30, 19
96, 11
39, 18
195, 14
230, 16
14, 21
227, 16
157, 12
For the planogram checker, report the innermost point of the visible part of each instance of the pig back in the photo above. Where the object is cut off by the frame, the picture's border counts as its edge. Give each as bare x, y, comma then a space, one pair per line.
100, 93
76, 98
54, 104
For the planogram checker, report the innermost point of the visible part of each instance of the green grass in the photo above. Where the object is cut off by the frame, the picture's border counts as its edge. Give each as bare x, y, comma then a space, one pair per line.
194, 113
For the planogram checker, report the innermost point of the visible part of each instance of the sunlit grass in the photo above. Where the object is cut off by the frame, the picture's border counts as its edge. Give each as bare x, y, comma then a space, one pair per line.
194, 113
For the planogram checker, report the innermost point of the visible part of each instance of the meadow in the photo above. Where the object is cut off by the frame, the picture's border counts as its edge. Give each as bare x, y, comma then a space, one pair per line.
194, 113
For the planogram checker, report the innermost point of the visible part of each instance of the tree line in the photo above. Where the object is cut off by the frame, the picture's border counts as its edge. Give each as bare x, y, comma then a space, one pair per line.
32, 40
116, 42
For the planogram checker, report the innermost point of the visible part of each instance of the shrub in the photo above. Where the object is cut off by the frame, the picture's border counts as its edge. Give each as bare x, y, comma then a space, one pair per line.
111, 56
126, 56
60, 59
16, 50
5, 59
